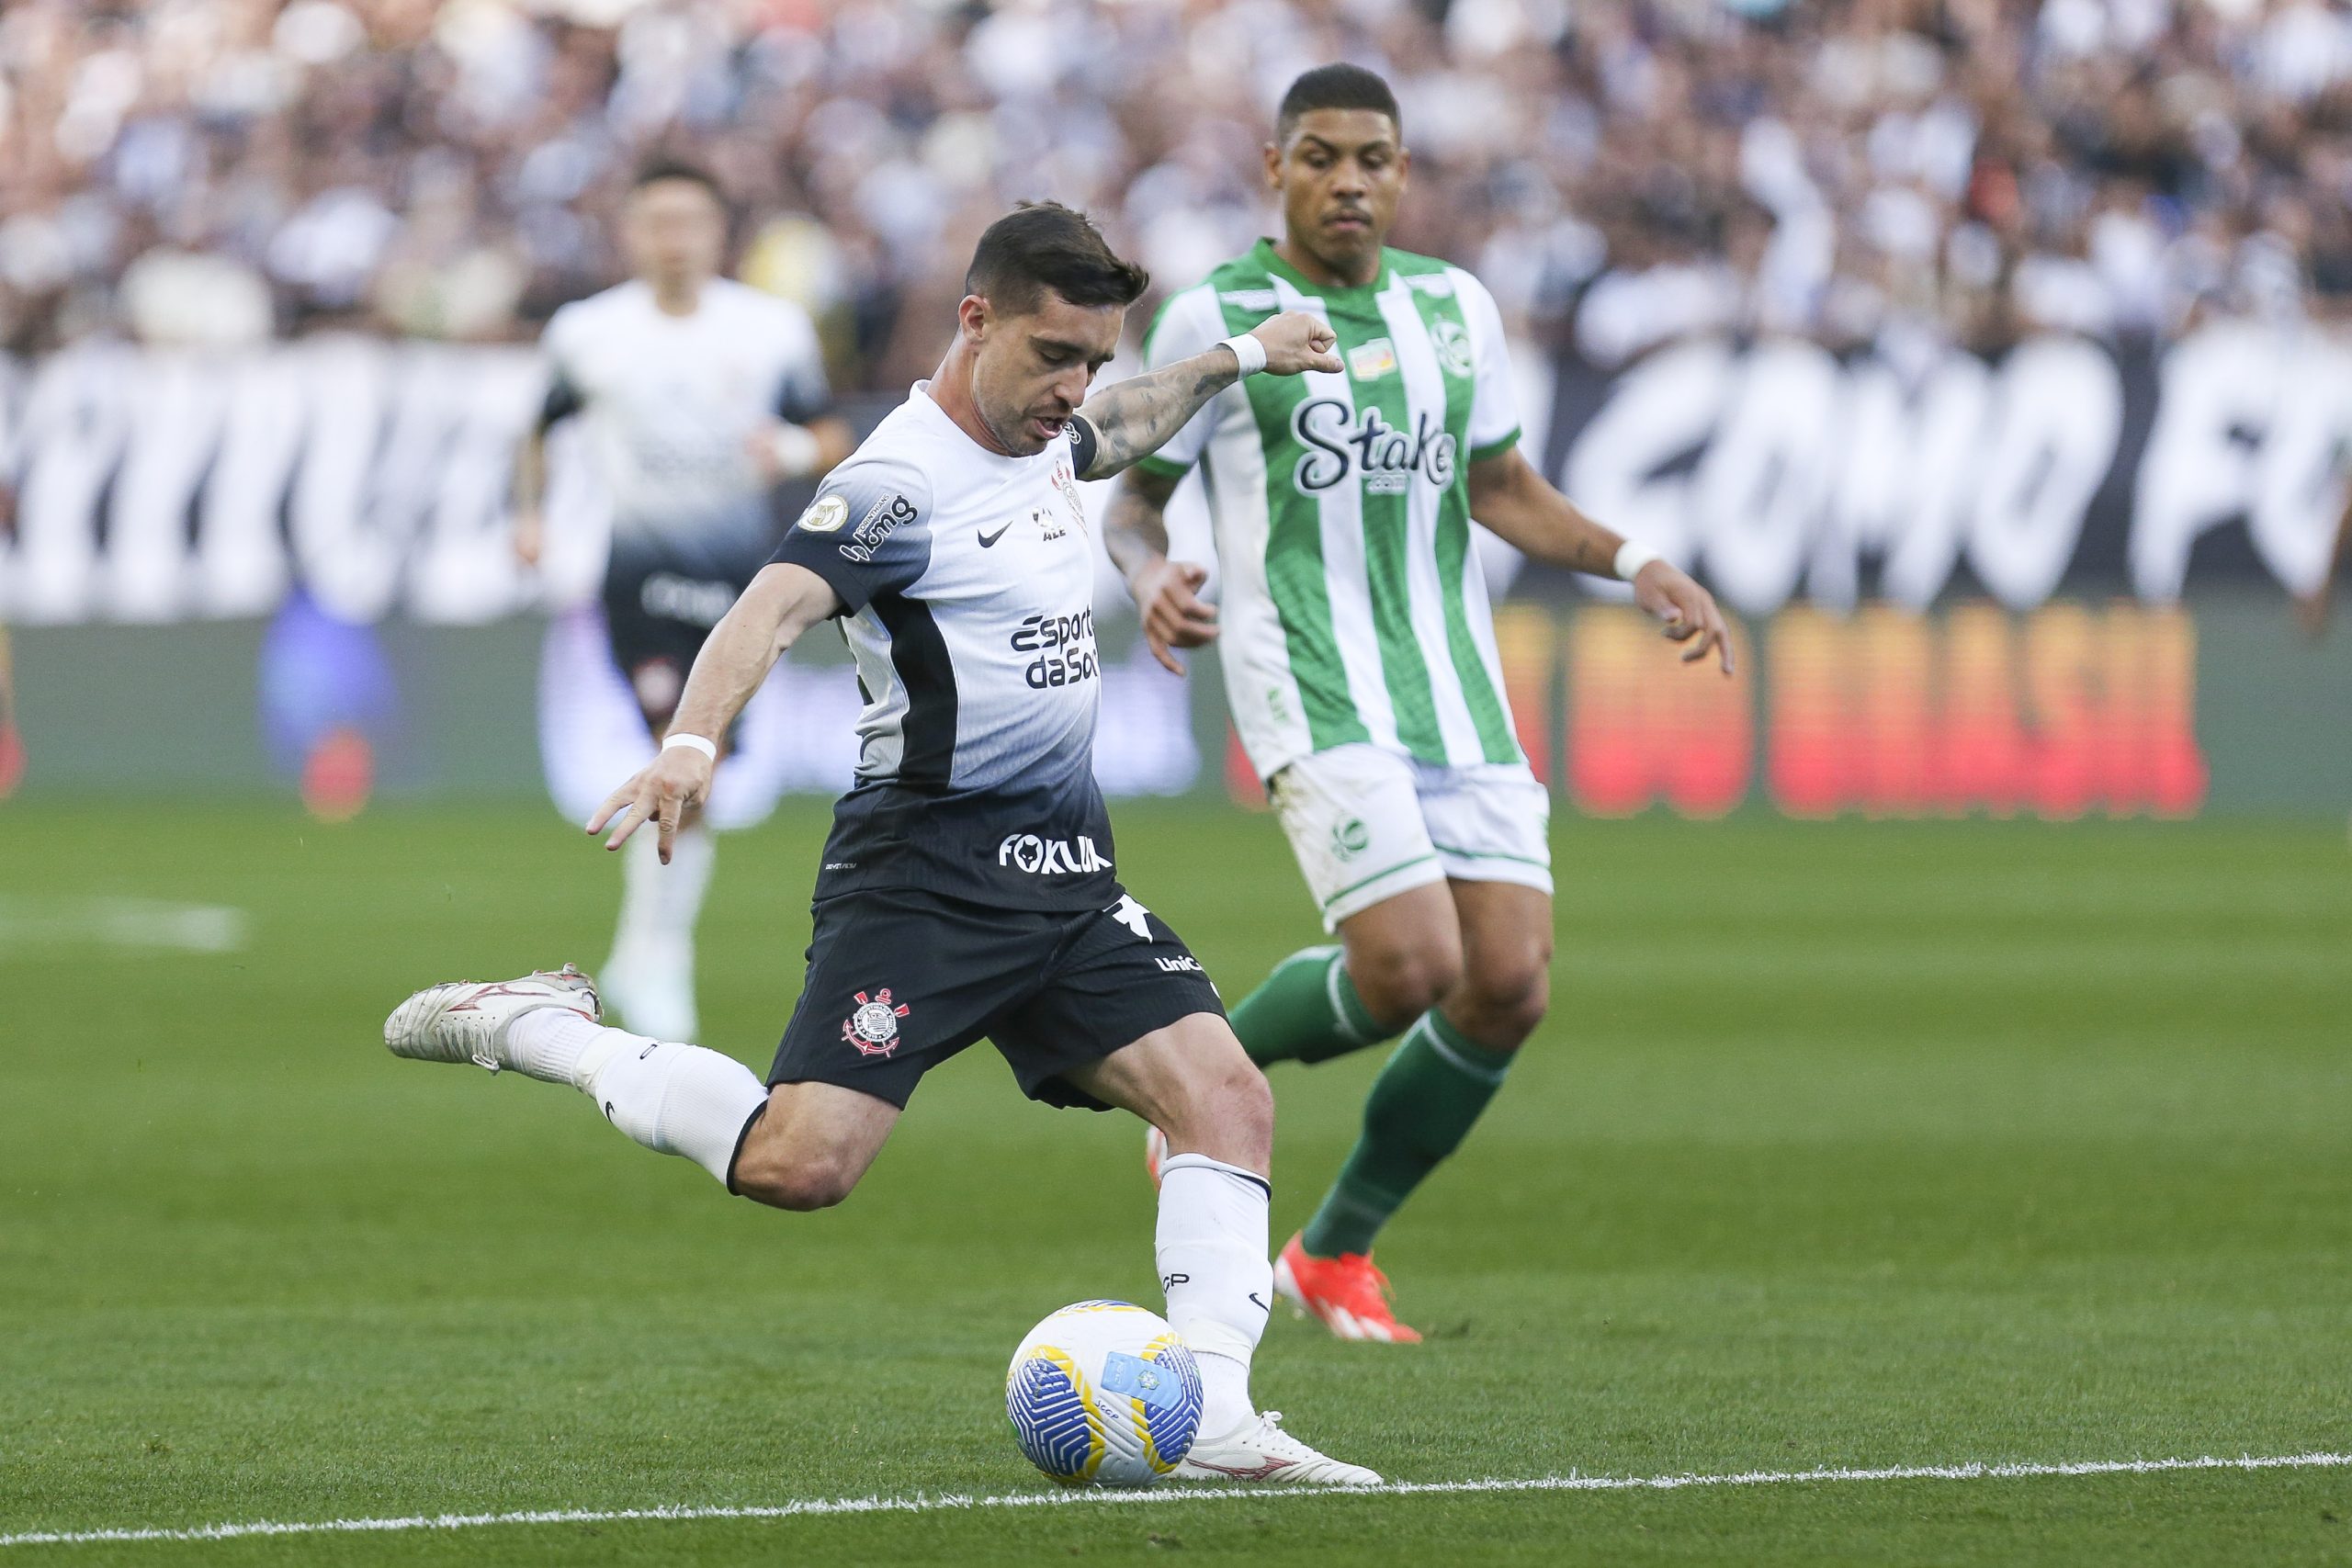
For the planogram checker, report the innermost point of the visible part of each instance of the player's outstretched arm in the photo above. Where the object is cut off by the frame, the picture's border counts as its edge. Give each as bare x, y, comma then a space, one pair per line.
782, 451
562, 400
1141, 414
1167, 593
530, 486
783, 602
1507, 495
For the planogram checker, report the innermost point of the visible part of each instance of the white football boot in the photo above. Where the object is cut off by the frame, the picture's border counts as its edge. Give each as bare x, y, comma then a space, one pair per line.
469, 1021
1261, 1453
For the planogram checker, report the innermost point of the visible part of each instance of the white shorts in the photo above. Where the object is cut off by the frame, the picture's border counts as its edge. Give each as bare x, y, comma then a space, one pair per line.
1367, 824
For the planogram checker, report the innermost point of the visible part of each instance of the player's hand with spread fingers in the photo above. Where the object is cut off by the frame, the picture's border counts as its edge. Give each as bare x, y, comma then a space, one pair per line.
1166, 595
660, 792
1297, 342
1689, 611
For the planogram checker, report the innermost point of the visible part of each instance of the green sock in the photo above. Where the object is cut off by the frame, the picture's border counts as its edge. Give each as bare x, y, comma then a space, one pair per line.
1421, 1106
1306, 1011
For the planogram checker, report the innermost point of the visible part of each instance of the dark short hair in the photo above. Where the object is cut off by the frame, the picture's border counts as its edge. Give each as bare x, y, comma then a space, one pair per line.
658, 171
1339, 87
1043, 244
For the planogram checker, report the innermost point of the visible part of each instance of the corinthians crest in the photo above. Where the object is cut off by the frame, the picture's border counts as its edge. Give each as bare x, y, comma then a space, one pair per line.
873, 1027
1067, 483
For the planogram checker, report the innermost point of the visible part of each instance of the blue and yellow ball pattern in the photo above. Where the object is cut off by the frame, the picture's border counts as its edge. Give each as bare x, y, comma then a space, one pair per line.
1104, 1394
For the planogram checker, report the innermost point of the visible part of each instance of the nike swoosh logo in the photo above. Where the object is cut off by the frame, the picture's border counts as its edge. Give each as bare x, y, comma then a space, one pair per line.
989, 539
1262, 1306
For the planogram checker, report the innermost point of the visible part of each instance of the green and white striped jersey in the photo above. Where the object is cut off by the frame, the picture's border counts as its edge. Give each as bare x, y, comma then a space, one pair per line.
1353, 607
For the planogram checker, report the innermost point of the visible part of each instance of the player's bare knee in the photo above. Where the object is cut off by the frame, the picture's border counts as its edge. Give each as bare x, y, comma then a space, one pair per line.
1226, 1112
801, 1183
1504, 1002
1518, 1013
1245, 1109
803, 1190
1400, 983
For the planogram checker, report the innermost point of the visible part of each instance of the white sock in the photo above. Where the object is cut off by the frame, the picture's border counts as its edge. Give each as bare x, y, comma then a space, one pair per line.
641, 920
680, 885
1220, 1283
652, 965
1225, 1405
674, 1099
548, 1044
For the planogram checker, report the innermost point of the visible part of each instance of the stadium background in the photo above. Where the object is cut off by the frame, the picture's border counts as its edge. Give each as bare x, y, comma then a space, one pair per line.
1855, 1142
1987, 358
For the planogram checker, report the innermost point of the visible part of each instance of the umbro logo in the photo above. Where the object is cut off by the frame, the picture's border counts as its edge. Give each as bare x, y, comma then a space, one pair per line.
987, 540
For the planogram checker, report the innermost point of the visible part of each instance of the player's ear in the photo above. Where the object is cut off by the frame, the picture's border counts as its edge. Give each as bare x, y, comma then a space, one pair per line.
972, 315
1273, 167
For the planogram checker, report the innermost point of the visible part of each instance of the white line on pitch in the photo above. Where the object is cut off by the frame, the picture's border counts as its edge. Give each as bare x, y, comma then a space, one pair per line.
28, 924
925, 1503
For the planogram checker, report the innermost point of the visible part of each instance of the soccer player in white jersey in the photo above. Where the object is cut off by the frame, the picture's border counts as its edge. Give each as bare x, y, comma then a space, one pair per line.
1360, 662
700, 395
966, 890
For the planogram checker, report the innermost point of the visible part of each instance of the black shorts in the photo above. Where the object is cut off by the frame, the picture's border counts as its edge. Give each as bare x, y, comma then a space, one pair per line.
900, 980
662, 598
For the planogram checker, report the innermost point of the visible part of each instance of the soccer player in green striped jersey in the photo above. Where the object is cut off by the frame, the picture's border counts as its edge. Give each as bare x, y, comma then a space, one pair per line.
1359, 657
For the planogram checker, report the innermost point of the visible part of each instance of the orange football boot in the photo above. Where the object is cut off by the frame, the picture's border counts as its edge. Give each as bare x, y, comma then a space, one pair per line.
1346, 1292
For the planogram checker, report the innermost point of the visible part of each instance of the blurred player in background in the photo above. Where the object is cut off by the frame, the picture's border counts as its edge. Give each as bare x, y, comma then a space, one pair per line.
1360, 660
701, 395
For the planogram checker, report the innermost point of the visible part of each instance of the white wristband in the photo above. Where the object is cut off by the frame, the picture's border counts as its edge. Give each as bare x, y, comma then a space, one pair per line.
679, 737
796, 448
1631, 557
1249, 351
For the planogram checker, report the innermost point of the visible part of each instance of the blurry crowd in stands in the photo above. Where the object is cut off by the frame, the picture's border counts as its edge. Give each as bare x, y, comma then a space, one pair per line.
1622, 173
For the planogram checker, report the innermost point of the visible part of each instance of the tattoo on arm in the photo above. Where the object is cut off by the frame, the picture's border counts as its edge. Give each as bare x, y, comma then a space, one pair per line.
1594, 549
1141, 414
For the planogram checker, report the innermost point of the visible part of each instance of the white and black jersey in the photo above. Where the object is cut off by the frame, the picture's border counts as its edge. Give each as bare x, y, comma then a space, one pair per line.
966, 888
968, 583
670, 402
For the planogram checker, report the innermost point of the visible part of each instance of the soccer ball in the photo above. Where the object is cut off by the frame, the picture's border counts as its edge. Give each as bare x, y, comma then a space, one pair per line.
1104, 1394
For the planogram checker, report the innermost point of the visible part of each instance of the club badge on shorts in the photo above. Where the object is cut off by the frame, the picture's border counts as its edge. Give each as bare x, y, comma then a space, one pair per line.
873, 1027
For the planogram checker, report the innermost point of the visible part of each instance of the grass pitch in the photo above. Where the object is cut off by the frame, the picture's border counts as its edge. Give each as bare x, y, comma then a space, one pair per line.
1846, 1146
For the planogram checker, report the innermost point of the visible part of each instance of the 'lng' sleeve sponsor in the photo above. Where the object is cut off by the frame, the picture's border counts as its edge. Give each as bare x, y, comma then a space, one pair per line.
967, 582
867, 534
